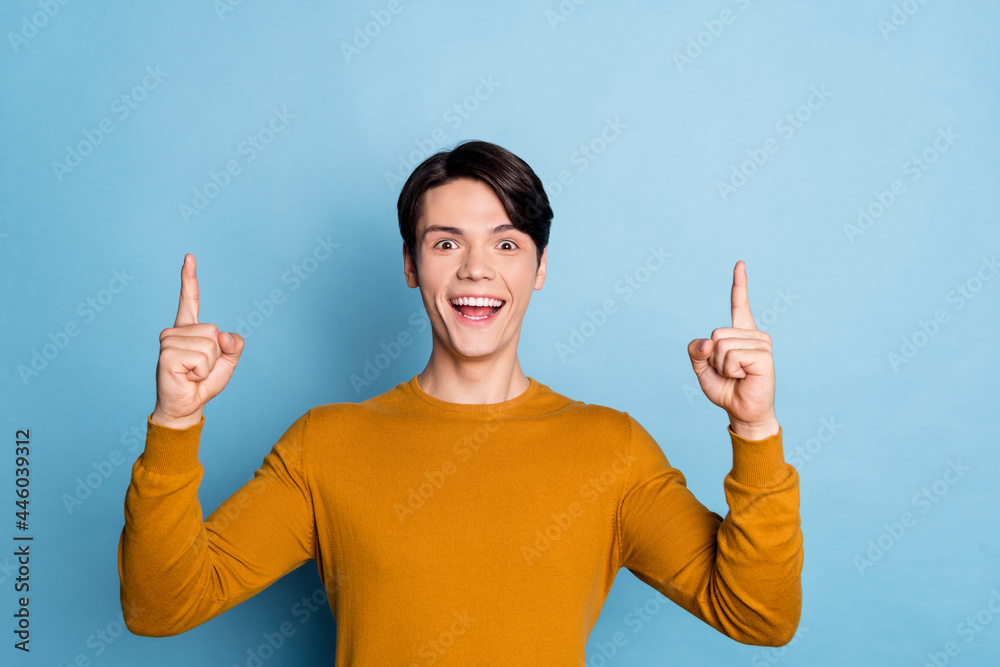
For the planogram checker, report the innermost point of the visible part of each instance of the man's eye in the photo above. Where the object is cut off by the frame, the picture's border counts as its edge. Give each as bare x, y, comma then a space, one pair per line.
505, 244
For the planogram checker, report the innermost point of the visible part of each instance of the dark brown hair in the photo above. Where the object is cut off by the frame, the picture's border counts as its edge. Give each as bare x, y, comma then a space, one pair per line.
515, 184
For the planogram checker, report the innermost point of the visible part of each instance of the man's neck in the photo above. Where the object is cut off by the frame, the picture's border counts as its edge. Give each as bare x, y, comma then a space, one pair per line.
481, 384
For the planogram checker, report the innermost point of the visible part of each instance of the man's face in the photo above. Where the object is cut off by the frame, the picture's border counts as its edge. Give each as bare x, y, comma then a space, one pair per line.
467, 247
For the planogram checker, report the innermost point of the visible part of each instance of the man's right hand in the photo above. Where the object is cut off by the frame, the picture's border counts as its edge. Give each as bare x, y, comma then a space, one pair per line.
196, 360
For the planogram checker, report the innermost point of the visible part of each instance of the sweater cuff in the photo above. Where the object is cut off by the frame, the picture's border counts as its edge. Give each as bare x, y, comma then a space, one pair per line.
171, 450
758, 462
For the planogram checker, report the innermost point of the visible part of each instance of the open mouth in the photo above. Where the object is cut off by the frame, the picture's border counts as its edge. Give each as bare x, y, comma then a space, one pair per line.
467, 309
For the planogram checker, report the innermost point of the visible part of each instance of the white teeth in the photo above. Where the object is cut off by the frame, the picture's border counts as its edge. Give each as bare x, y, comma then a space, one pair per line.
481, 301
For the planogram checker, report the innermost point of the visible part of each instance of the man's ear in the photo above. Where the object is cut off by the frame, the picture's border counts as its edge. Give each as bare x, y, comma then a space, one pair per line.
540, 273
409, 267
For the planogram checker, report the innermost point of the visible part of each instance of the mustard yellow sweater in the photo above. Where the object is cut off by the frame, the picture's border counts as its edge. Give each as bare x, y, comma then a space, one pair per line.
463, 534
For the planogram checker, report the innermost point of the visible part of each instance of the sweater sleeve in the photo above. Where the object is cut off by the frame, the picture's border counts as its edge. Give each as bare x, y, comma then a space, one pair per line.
741, 574
178, 571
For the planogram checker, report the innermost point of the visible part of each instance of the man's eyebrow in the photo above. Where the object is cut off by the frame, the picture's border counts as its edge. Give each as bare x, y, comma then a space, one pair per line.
458, 232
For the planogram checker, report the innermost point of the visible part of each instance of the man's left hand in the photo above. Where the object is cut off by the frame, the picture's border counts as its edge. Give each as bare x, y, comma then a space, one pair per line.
735, 367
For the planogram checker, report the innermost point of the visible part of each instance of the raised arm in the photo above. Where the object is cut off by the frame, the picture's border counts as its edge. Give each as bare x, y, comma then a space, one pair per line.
741, 575
177, 571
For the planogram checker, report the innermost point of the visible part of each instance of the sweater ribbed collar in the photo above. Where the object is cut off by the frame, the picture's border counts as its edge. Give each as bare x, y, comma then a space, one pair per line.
515, 402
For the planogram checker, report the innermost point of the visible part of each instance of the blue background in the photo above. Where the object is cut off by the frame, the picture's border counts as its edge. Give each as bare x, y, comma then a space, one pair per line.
838, 301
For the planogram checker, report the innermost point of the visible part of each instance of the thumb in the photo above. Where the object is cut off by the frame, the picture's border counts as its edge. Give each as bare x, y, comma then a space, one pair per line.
232, 346
699, 350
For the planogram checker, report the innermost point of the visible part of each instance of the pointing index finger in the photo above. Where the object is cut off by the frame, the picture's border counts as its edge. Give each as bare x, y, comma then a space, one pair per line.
742, 317
187, 307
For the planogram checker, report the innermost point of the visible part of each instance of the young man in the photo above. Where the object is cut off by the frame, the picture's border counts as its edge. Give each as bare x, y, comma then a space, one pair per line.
471, 515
